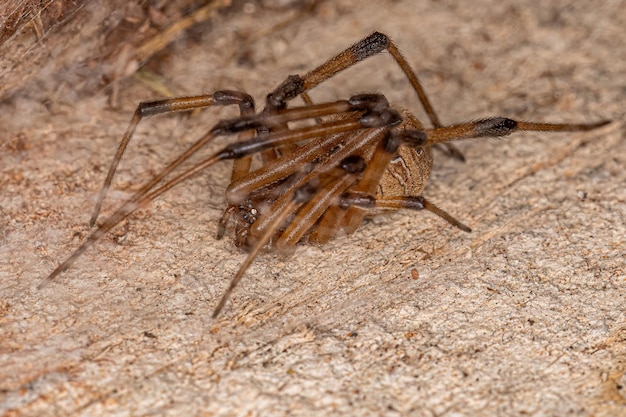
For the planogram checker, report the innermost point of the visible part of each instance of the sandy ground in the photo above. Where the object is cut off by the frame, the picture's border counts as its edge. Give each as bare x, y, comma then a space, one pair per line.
407, 316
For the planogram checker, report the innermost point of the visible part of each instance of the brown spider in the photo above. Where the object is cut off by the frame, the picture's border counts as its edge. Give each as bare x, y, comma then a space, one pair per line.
318, 181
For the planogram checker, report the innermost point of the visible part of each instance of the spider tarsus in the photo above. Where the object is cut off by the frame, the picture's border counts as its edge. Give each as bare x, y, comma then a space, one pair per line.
598, 124
450, 150
561, 127
98, 207
372, 45
589, 126
444, 215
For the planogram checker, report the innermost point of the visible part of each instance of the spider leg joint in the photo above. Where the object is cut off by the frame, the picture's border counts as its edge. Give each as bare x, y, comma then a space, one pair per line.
387, 117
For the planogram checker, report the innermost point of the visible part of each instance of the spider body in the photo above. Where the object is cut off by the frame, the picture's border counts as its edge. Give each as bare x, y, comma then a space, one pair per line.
392, 170
315, 181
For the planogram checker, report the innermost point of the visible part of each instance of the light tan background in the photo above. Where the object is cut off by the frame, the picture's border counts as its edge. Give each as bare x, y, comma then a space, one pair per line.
524, 316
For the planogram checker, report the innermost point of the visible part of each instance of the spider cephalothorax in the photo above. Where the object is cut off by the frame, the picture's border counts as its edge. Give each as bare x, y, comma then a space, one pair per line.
315, 181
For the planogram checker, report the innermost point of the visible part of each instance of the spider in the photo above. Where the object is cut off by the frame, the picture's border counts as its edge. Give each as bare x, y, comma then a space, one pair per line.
318, 180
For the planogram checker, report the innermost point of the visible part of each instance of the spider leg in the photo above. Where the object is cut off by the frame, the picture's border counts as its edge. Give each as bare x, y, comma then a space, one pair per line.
310, 200
341, 220
151, 108
366, 201
347, 219
311, 159
269, 122
261, 142
326, 196
282, 167
243, 182
141, 197
297, 200
375, 104
371, 45
356, 144
502, 126
233, 151
362, 197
